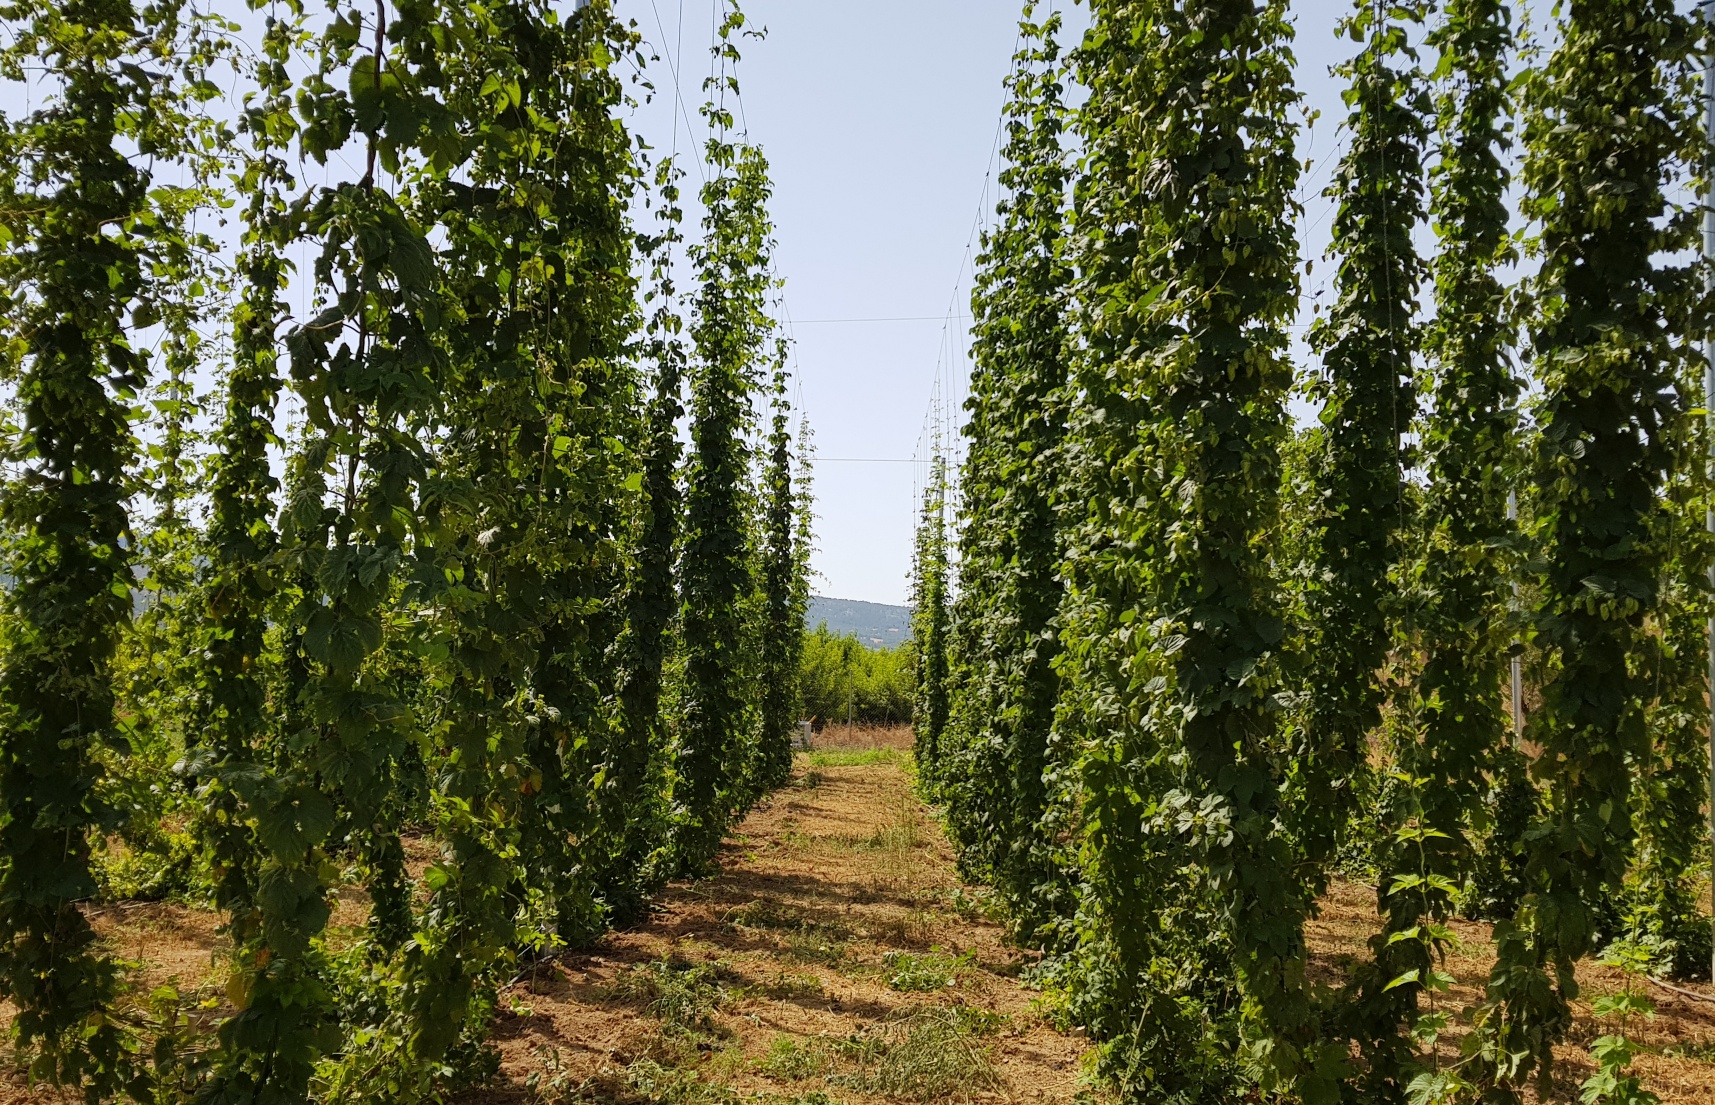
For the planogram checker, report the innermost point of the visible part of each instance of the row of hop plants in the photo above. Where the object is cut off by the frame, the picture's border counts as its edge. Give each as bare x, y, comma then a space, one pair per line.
341, 515
1199, 662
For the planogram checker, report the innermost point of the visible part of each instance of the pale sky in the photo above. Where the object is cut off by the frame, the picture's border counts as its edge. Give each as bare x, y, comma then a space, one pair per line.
879, 119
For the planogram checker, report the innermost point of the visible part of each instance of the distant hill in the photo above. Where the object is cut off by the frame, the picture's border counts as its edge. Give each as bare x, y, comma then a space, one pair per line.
875, 624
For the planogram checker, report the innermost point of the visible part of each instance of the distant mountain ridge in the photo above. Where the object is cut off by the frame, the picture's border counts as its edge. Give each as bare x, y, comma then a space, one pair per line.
875, 624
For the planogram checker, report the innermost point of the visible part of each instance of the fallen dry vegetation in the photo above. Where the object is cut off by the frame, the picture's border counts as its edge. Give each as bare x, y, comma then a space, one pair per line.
837, 958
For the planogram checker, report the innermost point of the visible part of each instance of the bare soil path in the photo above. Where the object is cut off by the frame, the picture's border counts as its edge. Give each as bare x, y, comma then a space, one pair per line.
836, 958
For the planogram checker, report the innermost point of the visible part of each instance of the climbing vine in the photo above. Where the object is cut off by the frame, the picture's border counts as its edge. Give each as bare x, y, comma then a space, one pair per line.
87, 257
428, 587
1607, 126
1003, 642
651, 597
929, 627
1172, 624
1367, 390
784, 603
1452, 731
730, 329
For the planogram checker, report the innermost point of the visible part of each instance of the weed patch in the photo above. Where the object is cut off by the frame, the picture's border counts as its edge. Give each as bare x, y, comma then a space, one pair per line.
788, 1060
676, 1086
683, 996
785, 987
934, 1054
923, 974
816, 944
764, 913
864, 757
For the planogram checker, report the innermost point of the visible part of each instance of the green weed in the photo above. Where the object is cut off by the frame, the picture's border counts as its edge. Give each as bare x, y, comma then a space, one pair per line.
810, 1097
683, 996
764, 913
974, 905
814, 944
923, 974
783, 987
791, 1061
676, 1086
1700, 1051
865, 757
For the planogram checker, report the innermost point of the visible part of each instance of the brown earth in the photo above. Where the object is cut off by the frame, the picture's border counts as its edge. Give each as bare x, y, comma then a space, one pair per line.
846, 954
837, 958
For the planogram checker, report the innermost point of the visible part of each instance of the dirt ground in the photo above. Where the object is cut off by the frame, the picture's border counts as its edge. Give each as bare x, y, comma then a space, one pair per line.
838, 959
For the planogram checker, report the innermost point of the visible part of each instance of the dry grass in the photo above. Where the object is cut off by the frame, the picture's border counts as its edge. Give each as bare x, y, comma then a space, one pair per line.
1678, 1063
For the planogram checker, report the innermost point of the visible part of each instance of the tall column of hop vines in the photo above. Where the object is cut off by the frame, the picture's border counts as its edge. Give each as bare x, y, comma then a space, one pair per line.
783, 602
515, 505
803, 527
596, 423
1189, 280
930, 629
156, 665
1662, 914
154, 668
1147, 1016
730, 328
1366, 386
634, 795
1004, 642
265, 879
366, 369
76, 233
1458, 582
1609, 124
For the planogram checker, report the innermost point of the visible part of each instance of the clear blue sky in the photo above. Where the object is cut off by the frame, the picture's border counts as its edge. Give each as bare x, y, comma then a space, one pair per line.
879, 120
